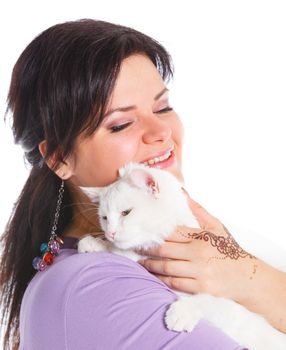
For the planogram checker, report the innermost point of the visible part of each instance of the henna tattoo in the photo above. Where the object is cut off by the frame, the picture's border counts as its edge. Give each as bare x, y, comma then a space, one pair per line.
254, 271
227, 246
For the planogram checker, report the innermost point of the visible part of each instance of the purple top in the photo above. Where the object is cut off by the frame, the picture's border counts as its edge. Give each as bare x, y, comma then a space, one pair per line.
104, 301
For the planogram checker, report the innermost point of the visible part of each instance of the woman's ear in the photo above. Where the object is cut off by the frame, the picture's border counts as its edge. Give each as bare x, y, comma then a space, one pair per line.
65, 169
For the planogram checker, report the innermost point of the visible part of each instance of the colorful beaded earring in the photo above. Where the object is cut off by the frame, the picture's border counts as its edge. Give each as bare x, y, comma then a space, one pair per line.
51, 249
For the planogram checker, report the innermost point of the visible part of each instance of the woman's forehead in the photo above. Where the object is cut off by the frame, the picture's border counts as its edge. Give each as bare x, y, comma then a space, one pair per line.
137, 72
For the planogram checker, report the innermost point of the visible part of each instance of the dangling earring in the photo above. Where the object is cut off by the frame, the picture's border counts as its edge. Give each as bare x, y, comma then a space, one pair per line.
51, 249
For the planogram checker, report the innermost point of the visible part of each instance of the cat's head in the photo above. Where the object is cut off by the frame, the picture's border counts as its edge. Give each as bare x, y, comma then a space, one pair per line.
130, 209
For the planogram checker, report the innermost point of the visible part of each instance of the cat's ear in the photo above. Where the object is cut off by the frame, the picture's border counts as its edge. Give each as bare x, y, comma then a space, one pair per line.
125, 170
153, 186
93, 193
141, 177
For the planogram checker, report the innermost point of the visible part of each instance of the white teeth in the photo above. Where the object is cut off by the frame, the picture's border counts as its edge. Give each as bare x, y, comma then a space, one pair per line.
158, 159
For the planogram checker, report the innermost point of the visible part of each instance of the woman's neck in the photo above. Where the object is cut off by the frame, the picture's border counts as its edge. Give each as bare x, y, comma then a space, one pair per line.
85, 218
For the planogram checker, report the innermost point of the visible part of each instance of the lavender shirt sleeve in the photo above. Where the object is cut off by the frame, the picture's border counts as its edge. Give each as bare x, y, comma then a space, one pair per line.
105, 301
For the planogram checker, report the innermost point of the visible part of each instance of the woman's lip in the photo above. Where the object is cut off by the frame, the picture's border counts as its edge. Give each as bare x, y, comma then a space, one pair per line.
157, 155
165, 163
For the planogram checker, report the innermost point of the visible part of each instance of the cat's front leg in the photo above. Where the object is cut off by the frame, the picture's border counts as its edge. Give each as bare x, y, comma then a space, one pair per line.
183, 314
90, 244
247, 328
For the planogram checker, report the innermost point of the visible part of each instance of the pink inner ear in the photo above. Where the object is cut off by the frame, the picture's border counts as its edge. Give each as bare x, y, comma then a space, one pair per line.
153, 185
143, 179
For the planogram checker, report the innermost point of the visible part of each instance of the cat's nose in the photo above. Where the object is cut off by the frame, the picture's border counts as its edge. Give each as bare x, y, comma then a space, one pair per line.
111, 235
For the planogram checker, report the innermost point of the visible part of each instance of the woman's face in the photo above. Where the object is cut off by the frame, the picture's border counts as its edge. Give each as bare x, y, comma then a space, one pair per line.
140, 125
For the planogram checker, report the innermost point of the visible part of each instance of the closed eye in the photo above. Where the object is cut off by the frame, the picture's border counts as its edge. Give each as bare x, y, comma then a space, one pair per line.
117, 128
126, 212
164, 110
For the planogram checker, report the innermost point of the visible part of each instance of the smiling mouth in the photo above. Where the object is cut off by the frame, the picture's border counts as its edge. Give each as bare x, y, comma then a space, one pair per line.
162, 158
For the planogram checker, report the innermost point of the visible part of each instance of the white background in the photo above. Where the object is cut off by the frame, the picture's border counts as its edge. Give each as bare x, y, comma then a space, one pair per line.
229, 89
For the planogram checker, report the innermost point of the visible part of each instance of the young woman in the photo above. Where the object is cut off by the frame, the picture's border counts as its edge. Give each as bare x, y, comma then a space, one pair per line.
88, 97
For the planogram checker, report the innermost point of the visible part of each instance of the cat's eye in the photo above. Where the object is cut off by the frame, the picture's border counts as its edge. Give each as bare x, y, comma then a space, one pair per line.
104, 217
126, 212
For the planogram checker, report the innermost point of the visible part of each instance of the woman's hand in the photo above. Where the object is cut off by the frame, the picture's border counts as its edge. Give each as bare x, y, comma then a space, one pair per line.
208, 260
205, 260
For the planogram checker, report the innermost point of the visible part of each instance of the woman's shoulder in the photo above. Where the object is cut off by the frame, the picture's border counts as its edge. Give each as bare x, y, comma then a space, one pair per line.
72, 269
105, 301
81, 263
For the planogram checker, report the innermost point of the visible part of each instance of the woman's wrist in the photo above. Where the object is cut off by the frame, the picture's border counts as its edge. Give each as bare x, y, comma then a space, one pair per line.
265, 294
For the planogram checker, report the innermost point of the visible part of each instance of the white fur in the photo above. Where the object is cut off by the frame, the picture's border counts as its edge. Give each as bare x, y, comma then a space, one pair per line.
158, 206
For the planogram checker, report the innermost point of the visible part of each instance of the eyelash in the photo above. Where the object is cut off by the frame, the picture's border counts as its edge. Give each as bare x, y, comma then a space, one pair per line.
118, 128
164, 110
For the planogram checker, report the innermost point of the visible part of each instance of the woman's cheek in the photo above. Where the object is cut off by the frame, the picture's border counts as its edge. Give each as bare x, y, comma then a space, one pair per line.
122, 150
178, 132
179, 126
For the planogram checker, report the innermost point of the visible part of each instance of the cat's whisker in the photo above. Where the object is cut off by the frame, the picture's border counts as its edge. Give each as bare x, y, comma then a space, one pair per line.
91, 217
93, 212
83, 203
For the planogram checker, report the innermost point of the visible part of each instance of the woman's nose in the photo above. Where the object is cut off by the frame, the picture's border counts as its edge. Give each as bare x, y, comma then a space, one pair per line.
156, 130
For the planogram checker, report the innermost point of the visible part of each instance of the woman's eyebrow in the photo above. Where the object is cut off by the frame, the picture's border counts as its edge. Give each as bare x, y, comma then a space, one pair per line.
129, 108
160, 94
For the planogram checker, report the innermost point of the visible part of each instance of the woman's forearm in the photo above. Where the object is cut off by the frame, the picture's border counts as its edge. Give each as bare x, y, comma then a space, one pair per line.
209, 260
267, 295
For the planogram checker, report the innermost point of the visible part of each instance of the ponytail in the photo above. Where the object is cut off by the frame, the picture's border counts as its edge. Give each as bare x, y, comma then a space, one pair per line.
60, 88
29, 225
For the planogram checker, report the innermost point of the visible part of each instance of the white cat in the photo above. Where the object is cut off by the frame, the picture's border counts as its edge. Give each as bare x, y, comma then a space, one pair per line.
140, 210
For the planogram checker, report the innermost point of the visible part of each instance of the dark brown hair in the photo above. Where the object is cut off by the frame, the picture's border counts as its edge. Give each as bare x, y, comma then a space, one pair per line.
59, 89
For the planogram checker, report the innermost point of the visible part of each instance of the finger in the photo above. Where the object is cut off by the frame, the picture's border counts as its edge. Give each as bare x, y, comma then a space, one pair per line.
187, 285
174, 268
171, 250
204, 218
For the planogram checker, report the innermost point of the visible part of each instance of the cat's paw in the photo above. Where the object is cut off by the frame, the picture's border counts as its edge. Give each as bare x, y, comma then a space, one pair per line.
183, 315
90, 244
